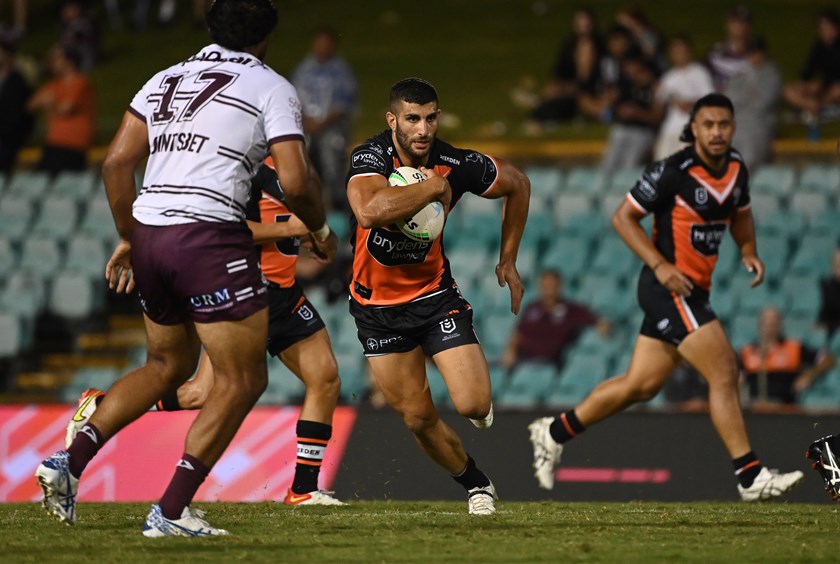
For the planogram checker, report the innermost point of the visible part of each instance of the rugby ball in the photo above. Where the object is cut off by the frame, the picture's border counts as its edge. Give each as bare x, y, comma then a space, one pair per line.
427, 224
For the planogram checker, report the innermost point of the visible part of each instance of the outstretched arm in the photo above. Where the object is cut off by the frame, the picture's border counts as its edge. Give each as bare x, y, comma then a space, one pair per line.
515, 188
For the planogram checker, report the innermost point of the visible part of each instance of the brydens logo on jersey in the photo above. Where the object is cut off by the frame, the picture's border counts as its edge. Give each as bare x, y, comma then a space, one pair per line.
368, 158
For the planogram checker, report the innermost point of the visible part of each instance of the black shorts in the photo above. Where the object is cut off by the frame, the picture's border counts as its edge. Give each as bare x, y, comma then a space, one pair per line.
291, 318
437, 322
670, 317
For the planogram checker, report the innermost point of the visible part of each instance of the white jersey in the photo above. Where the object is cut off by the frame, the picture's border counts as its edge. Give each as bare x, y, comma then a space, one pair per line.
211, 120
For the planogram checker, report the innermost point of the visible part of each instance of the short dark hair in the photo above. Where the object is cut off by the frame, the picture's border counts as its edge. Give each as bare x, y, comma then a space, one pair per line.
412, 90
713, 100
238, 24
830, 15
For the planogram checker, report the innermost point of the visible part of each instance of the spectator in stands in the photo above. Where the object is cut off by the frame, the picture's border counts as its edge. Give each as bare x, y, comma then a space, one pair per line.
595, 100
819, 83
80, 33
635, 117
328, 93
829, 316
683, 84
729, 57
549, 325
575, 71
19, 15
645, 37
776, 368
755, 93
15, 120
68, 102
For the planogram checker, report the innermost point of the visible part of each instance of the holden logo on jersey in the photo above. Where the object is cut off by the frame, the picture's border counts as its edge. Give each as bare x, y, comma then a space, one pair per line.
305, 312
447, 325
700, 195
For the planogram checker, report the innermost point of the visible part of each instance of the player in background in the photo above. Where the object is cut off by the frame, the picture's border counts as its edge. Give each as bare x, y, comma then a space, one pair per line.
402, 295
694, 194
296, 334
205, 124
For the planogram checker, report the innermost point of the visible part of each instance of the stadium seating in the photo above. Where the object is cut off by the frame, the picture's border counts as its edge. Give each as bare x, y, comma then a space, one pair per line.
86, 255
820, 178
623, 180
72, 296
11, 340
568, 254
585, 180
615, 258
577, 378
58, 217
75, 185
15, 217
529, 383
8, 258
31, 185
810, 204
41, 255
777, 180
546, 182
764, 205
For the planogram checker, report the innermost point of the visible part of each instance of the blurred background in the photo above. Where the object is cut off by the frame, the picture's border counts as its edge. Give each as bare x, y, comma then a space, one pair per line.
545, 84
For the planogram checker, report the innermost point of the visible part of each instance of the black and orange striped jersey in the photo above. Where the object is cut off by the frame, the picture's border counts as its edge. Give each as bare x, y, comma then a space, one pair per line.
693, 207
388, 267
267, 204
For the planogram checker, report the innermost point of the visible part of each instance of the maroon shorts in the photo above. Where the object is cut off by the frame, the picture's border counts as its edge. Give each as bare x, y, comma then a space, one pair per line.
203, 272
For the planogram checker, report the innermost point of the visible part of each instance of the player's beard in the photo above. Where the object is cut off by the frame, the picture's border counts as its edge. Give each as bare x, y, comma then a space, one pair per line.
404, 141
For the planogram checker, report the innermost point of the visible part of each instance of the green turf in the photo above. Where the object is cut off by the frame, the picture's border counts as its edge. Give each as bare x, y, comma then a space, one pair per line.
438, 532
475, 52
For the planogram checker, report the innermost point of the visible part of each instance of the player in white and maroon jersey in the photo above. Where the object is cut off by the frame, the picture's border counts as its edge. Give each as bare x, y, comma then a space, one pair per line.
205, 124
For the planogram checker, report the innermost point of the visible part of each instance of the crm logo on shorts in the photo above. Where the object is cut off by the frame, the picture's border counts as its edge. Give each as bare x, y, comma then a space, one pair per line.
447, 325
212, 301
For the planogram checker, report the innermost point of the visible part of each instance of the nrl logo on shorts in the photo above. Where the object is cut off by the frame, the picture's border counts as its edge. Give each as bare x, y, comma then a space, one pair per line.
447, 325
305, 313
700, 195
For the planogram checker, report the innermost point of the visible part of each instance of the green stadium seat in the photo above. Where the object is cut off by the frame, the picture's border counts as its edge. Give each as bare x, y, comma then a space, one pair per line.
86, 255
585, 180
590, 225
72, 296
742, 330
494, 328
470, 263
529, 383
76, 185
41, 255
98, 221
31, 185
569, 206
764, 205
609, 203
753, 300
824, 393
789, 223
546, 182
539, 230
826, 223
810, 261
11, 337
820, 178
810, 204
352, 369
568, 254
614, 257
577, 378
339, 222
776, 179
24, 295
16, 215
592, 343
100, 378
58, 217
623, 180
8, 258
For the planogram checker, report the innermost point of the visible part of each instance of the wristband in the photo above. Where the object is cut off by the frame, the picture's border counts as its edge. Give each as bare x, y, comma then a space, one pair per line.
322, 234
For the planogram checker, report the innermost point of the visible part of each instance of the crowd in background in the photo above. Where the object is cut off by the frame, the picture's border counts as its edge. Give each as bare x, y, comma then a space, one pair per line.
643, 84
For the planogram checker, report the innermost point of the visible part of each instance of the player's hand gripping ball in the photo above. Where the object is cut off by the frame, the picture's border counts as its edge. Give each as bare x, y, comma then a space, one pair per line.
427, 224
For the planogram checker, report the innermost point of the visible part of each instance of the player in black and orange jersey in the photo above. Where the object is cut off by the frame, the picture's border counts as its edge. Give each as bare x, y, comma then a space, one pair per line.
296, 333
695, 195
403, 297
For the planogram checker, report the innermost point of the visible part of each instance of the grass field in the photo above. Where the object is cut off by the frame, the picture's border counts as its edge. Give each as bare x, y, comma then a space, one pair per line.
438, 532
